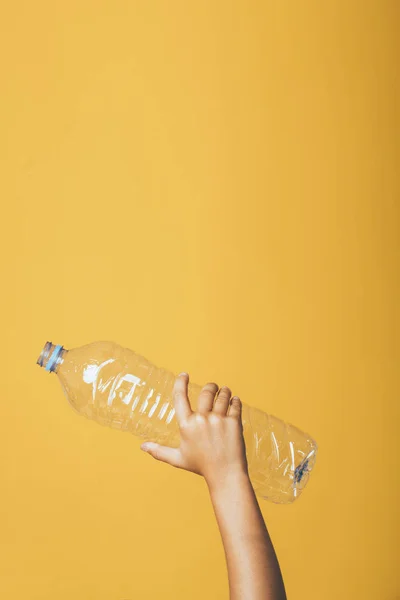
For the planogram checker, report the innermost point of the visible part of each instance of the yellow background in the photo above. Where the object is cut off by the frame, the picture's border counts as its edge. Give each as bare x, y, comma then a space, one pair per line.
214, 185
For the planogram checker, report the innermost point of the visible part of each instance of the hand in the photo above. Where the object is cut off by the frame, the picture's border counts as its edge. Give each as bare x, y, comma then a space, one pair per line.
212, 443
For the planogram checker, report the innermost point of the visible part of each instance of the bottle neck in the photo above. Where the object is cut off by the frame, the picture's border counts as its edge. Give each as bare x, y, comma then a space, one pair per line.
52, 357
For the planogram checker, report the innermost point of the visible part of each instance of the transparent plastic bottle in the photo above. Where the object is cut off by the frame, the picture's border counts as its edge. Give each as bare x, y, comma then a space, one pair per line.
116, 387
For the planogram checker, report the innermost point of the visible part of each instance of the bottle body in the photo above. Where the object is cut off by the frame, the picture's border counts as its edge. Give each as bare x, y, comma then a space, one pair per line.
121, 389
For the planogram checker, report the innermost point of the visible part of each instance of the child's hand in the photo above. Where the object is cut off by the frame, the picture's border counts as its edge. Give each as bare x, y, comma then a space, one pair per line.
212, 441
212, 445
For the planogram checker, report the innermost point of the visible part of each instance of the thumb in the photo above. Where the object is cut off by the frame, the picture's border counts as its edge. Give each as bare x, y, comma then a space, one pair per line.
171, 456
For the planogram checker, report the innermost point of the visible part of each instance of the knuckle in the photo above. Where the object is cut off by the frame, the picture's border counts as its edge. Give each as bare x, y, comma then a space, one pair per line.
225, 391
211, 388
234, 422
200, 419
223, 398
214, 419
184, 425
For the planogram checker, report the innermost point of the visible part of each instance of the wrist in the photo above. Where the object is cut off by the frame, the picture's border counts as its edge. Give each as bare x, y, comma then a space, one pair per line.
228, 480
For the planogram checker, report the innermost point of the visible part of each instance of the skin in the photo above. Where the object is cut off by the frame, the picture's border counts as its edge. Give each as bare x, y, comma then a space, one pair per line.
212, 445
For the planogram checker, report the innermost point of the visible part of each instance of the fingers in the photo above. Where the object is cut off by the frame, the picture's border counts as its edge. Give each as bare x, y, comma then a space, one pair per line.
221, 404
210, 399
235, 408
180, 395
205, 402
171, 456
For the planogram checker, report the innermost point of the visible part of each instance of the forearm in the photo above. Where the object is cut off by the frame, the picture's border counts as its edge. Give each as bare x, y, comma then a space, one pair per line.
253, 568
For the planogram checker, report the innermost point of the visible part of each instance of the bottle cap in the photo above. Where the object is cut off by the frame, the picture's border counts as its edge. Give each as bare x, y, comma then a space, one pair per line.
49, 356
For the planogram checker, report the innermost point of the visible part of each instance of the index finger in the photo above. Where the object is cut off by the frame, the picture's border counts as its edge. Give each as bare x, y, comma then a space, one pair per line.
180, 395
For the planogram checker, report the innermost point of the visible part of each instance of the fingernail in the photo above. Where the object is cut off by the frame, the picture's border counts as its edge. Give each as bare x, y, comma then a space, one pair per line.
183, 374
145, 446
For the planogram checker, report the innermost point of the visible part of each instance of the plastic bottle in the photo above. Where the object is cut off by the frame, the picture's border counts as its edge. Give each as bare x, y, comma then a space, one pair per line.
117, 387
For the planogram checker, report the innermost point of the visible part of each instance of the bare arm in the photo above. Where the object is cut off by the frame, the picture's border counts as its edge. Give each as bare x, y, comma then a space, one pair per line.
212, 445
253, 568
